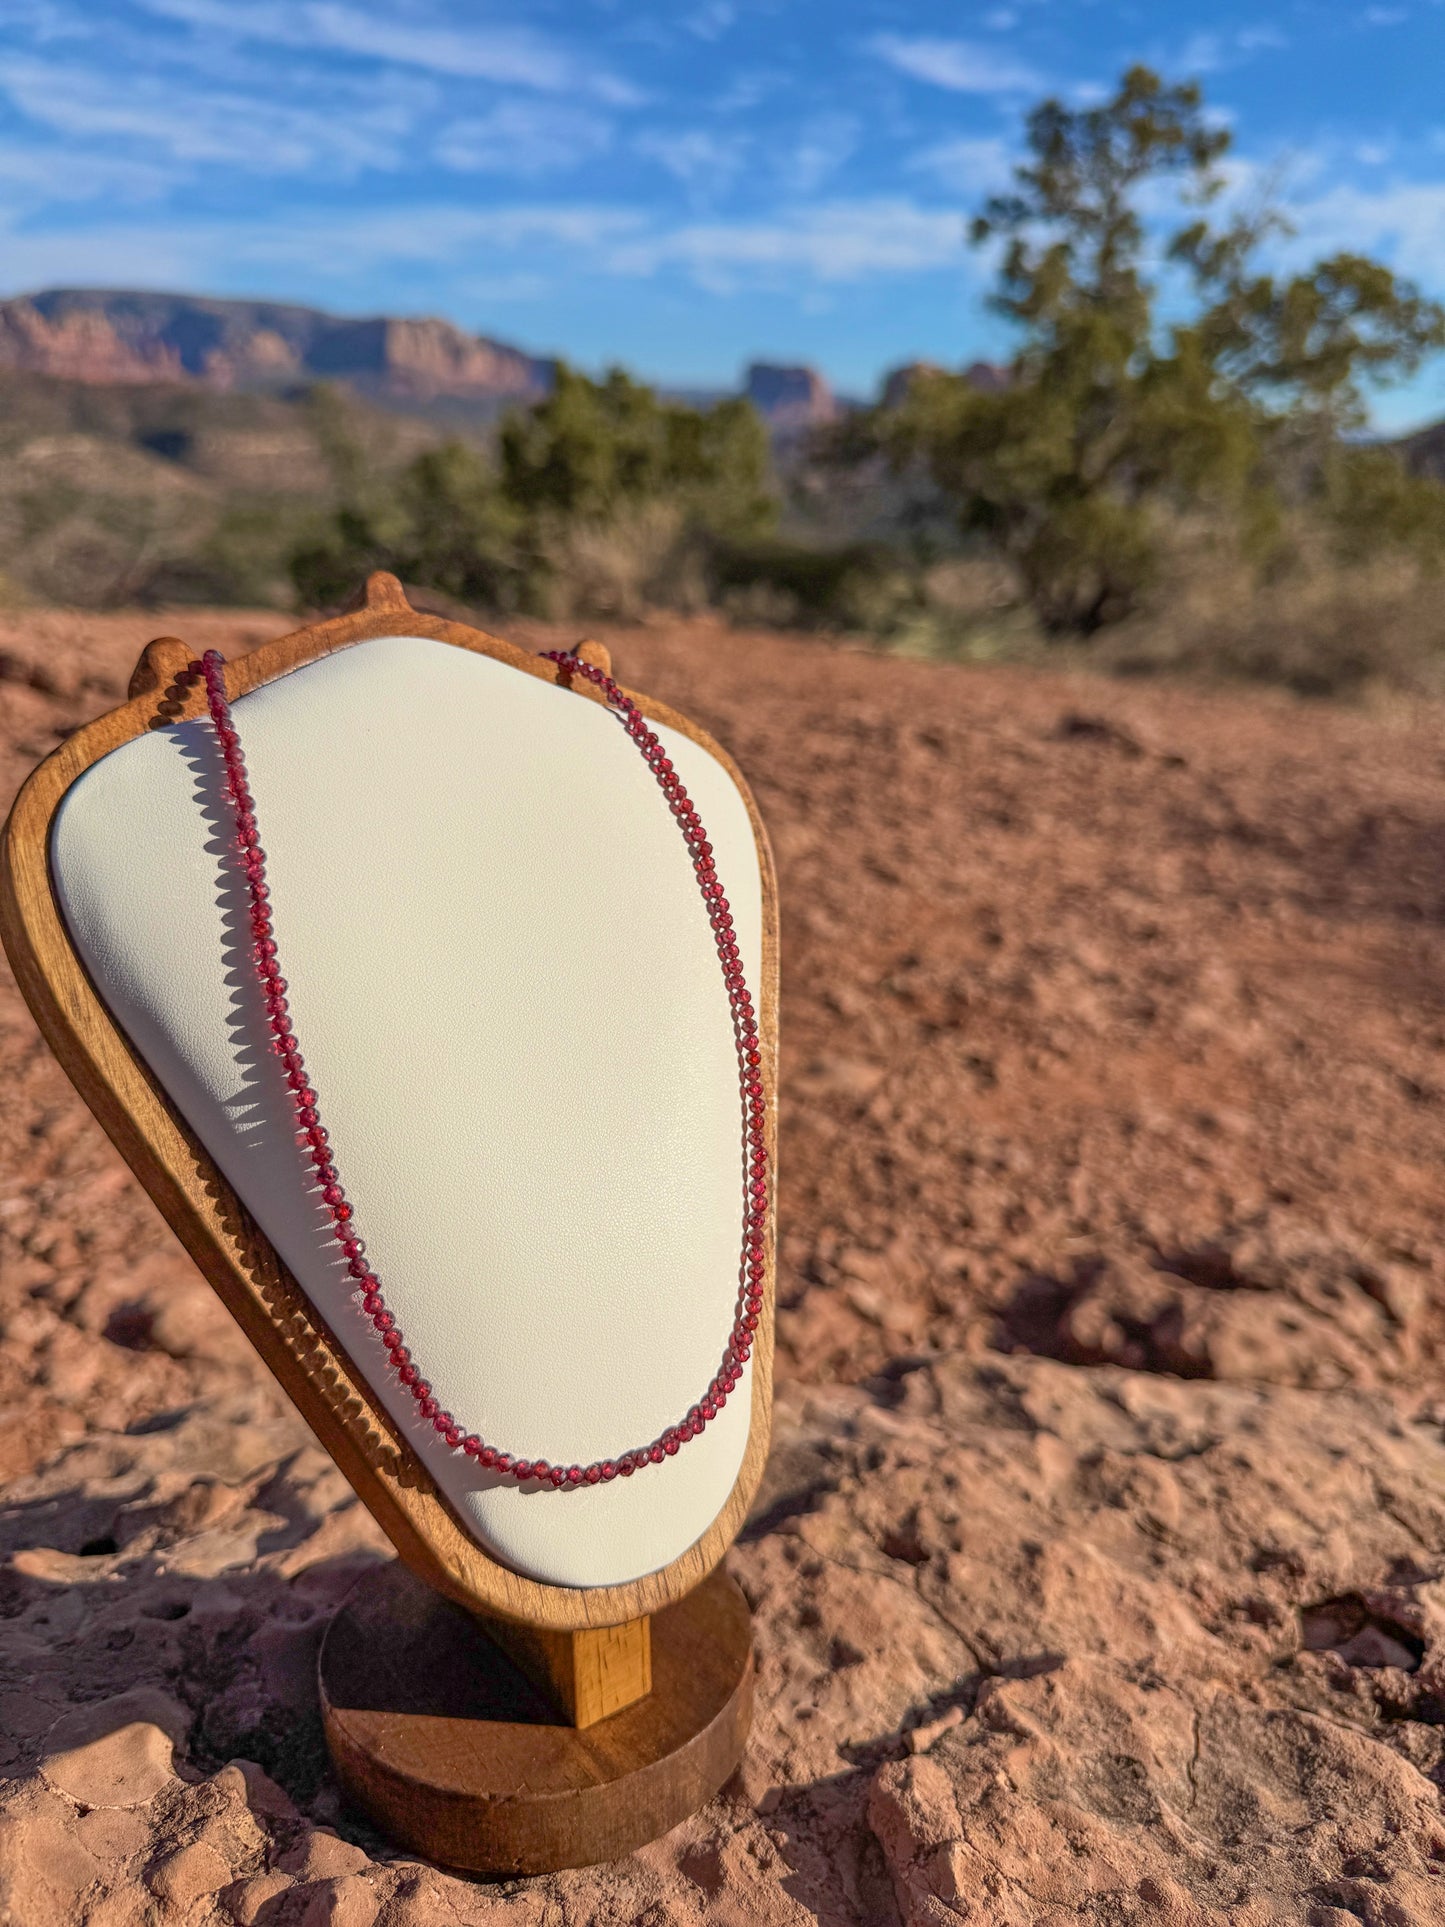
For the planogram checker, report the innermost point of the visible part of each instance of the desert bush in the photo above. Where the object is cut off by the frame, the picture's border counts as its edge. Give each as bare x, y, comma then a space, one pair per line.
443, 523
1315, 624
601, 499
617, 567
856, 585
91, 523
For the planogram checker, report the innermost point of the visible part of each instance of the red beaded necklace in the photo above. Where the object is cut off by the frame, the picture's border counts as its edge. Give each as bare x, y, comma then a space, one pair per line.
315, 1139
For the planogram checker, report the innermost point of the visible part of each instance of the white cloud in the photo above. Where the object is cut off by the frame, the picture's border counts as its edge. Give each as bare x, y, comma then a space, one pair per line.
253, 132
1202, 53
711, 20
1213, 53
977, 165
523, 137
1403, 221
442, 233
33, 177
489, 289
961, 66
824, 145
701, 160
524, 246
746, 91
836, 242
511, 56
1385, 16
1260, 39
347, 246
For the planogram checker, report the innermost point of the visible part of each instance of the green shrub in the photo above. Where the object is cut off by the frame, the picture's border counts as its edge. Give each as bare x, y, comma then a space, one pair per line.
596, 501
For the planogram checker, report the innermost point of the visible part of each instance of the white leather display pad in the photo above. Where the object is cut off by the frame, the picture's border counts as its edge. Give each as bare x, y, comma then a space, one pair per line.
507, 993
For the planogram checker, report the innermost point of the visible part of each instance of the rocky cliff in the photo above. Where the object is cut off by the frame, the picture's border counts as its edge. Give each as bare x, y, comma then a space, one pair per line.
110, 336
98, 336
790, 398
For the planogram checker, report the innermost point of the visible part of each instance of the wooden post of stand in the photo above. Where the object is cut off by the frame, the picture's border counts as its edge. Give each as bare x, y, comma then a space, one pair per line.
588, 1675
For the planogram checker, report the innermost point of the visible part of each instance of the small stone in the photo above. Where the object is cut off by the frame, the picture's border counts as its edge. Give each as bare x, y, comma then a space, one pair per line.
923, 1737
351, 1901
320, 1855
186, 1875
244, 1899
255, 1787
115, 1752
112, 1833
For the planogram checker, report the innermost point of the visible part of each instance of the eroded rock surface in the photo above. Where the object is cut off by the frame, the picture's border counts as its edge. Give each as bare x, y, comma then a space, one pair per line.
1098, 1571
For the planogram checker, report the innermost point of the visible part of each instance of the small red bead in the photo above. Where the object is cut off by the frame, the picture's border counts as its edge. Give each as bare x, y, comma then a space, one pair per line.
522, 1469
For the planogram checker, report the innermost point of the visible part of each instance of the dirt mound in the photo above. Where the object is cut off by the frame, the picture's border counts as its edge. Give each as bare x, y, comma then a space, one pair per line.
1098, 1572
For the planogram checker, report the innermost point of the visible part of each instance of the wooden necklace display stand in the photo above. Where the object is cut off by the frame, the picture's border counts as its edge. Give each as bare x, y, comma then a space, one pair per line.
488, 1721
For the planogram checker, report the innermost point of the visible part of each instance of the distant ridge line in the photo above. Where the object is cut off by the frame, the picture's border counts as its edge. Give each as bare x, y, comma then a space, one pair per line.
418, 364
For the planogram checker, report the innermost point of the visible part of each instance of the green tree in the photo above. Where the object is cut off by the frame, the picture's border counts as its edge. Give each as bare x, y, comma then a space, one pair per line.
1116, 417
593, 450
444, 523
587, 461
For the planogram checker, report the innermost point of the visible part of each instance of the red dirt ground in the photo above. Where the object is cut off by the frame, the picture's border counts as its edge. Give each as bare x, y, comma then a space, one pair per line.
1098, 1573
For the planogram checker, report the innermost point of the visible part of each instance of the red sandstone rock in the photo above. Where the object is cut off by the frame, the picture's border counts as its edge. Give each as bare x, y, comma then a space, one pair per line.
1096, 1573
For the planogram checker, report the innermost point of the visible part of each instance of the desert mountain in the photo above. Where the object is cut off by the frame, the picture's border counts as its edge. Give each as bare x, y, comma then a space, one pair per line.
117, 337
108, 336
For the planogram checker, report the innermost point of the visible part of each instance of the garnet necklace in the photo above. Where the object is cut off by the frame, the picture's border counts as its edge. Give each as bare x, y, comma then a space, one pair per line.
314, 1138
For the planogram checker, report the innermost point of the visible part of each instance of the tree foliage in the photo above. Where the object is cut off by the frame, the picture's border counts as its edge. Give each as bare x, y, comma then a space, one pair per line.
594, 449
589, 456
1159, 373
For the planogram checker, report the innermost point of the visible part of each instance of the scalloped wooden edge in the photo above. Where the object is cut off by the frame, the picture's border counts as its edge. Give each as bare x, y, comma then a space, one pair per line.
206, 1215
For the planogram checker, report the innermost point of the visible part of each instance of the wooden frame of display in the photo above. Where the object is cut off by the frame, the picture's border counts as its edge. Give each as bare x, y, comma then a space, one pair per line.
234, 1254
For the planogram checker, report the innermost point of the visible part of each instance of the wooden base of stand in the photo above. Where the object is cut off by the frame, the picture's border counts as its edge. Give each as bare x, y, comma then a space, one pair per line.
452, 1751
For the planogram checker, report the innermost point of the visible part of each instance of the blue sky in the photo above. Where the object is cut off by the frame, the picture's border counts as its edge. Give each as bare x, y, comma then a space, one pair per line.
681, 188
